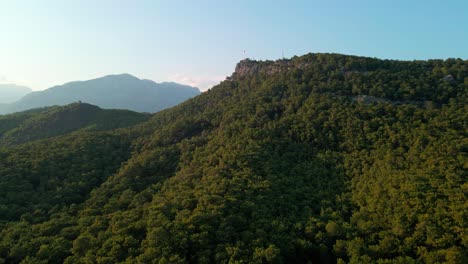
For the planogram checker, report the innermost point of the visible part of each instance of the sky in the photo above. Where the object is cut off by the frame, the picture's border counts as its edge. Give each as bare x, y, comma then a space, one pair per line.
198, 42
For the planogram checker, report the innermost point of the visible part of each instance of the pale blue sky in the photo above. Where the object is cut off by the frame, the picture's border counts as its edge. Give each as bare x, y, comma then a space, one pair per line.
45, 43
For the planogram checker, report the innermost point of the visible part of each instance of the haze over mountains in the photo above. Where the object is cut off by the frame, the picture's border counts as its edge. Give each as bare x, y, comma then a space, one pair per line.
122, 91
11, 92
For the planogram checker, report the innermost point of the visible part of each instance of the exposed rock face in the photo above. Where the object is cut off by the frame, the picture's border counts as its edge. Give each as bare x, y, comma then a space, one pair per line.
248, 67
368, 99
449, 78
349, 72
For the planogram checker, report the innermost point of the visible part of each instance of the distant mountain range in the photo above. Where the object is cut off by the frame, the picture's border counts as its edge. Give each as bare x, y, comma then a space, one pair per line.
122, 91
11, 92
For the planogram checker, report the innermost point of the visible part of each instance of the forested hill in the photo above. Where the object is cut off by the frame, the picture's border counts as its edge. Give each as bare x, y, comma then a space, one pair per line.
280, 163
48, 122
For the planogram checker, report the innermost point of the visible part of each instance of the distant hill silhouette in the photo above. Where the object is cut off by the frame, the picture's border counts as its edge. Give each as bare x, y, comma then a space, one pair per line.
122, 91
12, 92
49, 122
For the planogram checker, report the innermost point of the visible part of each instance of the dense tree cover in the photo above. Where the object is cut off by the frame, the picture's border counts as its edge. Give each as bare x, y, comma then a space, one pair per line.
278, 166
48, 122
50, 173
9, 122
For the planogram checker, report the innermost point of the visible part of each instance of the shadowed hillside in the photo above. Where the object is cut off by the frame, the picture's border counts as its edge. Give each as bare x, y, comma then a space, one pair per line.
59, 120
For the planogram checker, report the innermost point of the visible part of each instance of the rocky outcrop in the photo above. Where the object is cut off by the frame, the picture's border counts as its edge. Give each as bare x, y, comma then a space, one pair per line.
248, 67
350, 72
368, 99
449, 78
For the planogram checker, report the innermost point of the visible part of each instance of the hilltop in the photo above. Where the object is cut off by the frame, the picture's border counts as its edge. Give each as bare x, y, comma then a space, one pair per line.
49, 122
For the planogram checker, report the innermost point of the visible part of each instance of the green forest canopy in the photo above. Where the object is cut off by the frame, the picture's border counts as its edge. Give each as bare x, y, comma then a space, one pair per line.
280, 163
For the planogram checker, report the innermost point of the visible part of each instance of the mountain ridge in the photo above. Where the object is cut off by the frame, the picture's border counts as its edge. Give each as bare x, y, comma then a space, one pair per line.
120, 91
12, 92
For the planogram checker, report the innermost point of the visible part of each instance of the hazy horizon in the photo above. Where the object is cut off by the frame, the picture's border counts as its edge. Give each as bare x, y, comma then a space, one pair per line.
50, 43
